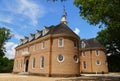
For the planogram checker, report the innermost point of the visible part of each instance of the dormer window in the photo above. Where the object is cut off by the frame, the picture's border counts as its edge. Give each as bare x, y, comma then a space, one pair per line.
37, 34
21, 41
83, 44
45, 31
31, 37
25, 40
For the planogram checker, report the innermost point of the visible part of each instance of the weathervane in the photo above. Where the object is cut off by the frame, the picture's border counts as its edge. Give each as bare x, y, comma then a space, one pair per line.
65, 12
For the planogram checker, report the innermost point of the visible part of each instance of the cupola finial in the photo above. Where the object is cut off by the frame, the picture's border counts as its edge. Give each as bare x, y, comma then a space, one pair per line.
63, 19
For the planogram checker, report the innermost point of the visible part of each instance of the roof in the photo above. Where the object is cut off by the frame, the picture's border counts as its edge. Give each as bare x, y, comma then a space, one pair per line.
58, 29
61, 29
91, 43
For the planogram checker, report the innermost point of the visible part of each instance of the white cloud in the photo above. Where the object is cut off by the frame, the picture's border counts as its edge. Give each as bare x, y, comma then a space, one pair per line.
29, 9
77, 31
15, 34
10, 49
23, 10
6, 19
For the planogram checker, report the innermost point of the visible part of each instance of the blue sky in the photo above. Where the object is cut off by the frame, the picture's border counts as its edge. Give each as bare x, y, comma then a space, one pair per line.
23, 17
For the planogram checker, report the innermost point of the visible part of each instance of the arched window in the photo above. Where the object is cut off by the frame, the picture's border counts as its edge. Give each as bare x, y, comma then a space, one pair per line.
83, 53
33, 63
84, 65
60, 42
97, 53
42, 62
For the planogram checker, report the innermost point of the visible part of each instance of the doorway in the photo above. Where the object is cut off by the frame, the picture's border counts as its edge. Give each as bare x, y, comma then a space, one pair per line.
26, 64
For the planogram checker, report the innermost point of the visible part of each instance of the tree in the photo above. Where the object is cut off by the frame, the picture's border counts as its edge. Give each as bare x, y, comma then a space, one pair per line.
5, 35
5, 64
105, 13
112, 51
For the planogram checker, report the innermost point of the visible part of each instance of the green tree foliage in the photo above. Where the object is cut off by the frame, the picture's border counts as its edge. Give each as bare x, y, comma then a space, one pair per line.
111, 48
4, 37
112, 45
104, 13
5, 64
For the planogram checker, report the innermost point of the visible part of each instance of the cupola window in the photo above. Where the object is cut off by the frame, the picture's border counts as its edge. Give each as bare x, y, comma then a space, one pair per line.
60, 42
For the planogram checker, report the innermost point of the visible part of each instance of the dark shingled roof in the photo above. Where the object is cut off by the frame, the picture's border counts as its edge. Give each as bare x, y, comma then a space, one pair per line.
61, 29
58, 29
92, 43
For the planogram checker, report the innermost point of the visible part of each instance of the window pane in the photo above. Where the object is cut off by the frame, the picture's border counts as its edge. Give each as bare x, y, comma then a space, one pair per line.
97, 52
42, 62
43, 44
60, 42
34, 63
75, 44
83, 54
84, 65
60, 58
98, 62
75, 58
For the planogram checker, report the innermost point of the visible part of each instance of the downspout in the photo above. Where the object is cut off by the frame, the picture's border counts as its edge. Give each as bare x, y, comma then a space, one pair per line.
50, 57
91, 60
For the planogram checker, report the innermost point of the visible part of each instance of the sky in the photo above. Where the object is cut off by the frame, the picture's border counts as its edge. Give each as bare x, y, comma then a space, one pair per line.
23, 17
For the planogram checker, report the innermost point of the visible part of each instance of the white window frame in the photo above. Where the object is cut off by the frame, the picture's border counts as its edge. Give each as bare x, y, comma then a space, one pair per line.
33, 63
59, 42
28, 49
42, 61
75, 43
16, 64
83, 64
77, 58
58, 58
43, 45
83, 53
97, 62
21, 64
97, 52
34, 47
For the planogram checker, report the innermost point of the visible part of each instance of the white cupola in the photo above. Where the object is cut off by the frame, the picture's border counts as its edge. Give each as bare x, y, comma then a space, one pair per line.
63, 20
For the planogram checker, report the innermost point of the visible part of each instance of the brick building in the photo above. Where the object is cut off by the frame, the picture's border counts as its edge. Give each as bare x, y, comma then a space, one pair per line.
58, 51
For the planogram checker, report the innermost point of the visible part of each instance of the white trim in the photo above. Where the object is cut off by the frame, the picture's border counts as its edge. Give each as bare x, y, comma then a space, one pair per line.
34, 47
43, 45
62, 42
77, 59
97, 52
58, 58
32, 63
41, 62
83, 53
21, 64
75, 42
99, 62
83, 64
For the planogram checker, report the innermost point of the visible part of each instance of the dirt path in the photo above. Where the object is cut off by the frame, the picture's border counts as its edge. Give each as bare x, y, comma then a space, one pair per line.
15, 77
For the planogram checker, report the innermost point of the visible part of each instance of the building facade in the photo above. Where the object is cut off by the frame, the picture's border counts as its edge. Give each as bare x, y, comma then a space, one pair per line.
58, 51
